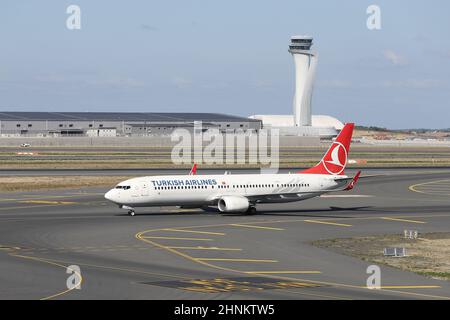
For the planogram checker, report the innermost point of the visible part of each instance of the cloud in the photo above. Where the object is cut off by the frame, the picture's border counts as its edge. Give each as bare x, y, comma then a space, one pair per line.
395, 58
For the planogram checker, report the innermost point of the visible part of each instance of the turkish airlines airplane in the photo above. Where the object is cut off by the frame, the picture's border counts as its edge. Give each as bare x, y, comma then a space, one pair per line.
239, 192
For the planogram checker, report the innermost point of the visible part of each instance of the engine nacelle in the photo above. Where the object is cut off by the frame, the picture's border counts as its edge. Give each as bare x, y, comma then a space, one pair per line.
233, 204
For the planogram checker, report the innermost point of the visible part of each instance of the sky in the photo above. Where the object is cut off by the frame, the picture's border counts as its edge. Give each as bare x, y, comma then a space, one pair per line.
228, 57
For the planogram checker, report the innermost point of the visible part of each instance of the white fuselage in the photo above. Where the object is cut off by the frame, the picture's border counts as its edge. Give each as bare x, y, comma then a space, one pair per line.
204, 190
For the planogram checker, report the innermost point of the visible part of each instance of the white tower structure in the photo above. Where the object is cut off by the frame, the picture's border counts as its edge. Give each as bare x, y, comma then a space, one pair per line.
305, 65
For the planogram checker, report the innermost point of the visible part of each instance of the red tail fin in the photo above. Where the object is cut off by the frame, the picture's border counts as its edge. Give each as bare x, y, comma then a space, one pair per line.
335, 160
193, 171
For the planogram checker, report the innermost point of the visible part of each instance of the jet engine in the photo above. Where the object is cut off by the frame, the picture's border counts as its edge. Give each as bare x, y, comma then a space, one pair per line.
233, 204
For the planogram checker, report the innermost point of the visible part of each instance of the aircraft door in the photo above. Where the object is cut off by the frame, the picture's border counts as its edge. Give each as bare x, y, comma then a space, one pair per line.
144, 190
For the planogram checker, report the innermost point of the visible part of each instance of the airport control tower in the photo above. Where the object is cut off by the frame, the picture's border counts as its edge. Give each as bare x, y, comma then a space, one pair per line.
305, 65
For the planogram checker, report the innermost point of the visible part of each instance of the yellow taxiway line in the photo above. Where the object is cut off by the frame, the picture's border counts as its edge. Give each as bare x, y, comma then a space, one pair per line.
410, 287
175, 238
47, 202
235, 260
402, 220
206, 248
413, 187
195, 231
140, 236
327, 222
58, 265
256, 227
285, 272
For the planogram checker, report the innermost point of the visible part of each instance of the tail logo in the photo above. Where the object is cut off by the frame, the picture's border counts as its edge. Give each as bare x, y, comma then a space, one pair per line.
335, 160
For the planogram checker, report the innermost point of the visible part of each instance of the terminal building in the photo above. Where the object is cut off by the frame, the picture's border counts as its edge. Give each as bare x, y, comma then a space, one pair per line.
106, 124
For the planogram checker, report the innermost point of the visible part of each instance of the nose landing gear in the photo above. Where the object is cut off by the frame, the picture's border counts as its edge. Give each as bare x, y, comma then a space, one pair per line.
131, 211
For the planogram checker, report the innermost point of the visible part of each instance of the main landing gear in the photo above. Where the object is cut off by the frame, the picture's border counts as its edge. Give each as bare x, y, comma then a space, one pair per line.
131, 212
251, 210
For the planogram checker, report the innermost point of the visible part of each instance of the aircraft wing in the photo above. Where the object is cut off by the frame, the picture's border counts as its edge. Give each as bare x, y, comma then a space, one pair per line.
293, 196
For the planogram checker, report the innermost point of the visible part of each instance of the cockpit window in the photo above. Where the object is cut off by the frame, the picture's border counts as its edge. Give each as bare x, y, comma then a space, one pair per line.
123, 187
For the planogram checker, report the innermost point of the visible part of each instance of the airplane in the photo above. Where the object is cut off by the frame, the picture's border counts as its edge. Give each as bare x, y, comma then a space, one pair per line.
239, 193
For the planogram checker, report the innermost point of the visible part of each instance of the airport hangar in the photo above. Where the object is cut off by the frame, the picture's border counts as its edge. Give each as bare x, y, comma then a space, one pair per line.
108, 124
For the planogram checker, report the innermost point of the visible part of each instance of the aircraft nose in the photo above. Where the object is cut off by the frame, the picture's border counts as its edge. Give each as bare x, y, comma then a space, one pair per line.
110, 195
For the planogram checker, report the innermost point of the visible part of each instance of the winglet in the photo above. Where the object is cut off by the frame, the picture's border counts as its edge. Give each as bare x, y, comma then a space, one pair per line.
352, 184
193, 171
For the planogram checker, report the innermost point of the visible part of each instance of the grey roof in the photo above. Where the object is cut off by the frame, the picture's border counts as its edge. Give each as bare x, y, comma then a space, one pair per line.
121, 116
